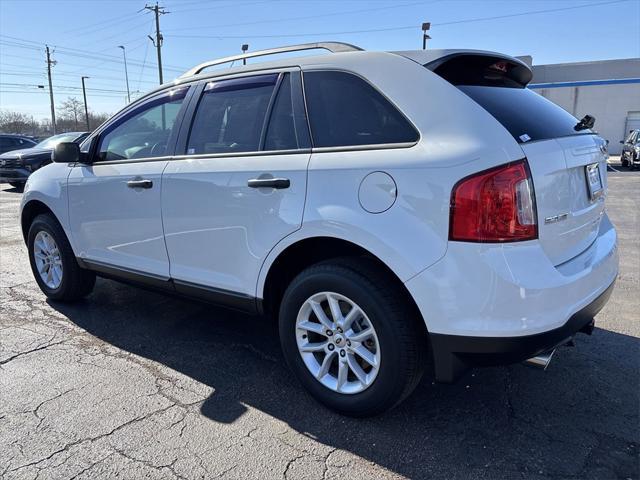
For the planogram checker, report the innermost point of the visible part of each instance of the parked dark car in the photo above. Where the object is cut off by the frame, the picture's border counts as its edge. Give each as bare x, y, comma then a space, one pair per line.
630, 156
9, 142
17, 165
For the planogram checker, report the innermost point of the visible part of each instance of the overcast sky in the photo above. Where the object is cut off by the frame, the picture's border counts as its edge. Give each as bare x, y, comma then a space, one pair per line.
85, 34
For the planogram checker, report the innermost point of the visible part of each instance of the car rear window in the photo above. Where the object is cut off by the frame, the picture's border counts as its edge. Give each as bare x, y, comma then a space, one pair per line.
524, 113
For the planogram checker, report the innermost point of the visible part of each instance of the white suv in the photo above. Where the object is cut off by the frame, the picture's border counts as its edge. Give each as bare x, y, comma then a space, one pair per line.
391, 209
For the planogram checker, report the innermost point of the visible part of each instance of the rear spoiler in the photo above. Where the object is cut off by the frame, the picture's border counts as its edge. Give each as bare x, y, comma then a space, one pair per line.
473, 67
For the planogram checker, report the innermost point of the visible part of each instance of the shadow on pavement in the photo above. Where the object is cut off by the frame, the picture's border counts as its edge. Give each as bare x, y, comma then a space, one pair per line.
579, 418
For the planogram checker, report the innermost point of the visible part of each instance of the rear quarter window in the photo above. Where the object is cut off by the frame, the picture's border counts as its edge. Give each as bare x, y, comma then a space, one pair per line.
344, 110
524, 113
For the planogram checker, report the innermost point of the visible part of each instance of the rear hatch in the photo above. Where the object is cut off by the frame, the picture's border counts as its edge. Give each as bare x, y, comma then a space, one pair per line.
562, 162
568, 166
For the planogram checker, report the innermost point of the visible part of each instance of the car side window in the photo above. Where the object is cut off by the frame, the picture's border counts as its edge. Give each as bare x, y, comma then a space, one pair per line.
630, 138
345, 110
231, 115
288, 129
144, 132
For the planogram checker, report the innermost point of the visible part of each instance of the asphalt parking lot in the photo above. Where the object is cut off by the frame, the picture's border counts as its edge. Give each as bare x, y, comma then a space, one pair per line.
130, 384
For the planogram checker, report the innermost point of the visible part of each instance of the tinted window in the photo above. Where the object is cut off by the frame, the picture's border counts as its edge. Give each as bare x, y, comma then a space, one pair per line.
287, 124
345, 110
231, 115
144, 132
524, 113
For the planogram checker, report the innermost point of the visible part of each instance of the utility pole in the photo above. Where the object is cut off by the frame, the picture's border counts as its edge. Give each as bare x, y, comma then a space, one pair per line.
245, 47
425, 28
53, 108
158, 40
86, 108
126, 74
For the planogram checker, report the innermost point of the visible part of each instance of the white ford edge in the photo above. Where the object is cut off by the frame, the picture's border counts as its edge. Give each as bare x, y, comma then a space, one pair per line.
390, 209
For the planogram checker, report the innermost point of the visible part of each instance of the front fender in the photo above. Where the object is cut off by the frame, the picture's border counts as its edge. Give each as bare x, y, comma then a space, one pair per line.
48, 186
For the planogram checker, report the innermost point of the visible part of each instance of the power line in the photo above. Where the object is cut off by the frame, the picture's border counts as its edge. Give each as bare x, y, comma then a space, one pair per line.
38, 92
115, 26
118, 34
66, 63
234, 5
91, 26
42, 74
146, 50
32, 45
405, 27
68, 87
322, 15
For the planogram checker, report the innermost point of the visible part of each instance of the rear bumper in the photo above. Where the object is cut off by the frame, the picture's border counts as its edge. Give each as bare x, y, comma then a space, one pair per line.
14, 175
489, 304
456, 354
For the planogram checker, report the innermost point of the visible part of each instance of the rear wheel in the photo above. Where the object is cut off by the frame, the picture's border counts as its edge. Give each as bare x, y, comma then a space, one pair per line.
17, 185
349, 334
53, 263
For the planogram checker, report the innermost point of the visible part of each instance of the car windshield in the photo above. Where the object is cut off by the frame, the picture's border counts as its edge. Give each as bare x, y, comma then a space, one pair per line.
51, 142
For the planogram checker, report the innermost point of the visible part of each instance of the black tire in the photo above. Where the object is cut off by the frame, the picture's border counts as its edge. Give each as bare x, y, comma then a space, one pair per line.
624, 161
401, 337
17, 185
76, 282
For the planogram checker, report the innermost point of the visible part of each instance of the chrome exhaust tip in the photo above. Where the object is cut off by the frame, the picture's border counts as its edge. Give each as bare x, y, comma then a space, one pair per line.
541, 361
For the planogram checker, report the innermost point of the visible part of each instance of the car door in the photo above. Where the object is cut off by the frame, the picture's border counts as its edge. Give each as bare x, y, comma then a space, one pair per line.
114, 201
240, 186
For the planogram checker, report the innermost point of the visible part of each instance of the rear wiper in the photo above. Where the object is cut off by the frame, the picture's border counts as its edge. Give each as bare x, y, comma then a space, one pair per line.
588, 121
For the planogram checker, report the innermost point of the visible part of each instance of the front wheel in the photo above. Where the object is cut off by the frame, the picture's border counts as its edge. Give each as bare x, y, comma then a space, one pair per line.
351, 337
53, 262
624, 161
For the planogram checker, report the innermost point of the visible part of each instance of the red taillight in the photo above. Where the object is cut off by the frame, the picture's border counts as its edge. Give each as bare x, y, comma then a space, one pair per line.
497, 205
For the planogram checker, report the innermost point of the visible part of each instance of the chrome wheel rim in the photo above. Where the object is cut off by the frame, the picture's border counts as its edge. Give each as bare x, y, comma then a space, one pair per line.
338, 343
48, 259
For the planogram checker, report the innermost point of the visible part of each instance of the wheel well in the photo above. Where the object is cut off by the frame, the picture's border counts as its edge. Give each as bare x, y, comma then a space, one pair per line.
30, 211
295, 258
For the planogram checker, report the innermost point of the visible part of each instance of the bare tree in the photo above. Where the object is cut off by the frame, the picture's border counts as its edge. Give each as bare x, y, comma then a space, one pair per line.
97, 119
72, 109
16, 122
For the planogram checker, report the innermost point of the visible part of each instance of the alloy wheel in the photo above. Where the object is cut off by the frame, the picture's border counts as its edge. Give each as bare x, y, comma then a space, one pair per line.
48, 259
338, 343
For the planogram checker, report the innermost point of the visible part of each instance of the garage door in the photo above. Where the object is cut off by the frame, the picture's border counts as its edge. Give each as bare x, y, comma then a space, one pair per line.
633, 122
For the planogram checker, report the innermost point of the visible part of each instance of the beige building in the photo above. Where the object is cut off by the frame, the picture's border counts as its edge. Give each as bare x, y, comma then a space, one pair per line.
609, 90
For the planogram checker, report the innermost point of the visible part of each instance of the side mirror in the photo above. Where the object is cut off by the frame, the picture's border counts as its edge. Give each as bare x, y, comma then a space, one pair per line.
66, 152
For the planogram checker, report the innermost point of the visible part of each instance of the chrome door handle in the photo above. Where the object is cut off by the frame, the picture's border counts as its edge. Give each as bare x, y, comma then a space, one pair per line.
269, 183
139, 183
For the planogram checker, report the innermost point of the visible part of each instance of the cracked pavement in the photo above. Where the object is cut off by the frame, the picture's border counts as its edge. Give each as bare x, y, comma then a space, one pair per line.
132, 384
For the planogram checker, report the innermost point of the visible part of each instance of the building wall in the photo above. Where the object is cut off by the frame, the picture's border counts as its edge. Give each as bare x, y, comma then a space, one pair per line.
610, 104
581, 71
